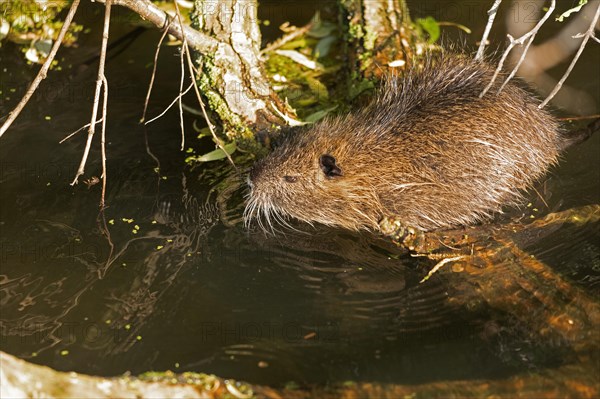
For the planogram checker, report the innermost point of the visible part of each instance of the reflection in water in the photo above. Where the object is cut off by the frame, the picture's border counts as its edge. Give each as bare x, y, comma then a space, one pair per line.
179, 283
52, 269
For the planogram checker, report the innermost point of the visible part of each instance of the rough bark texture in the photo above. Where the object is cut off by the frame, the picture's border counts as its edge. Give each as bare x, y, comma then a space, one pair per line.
378, 34
233, 80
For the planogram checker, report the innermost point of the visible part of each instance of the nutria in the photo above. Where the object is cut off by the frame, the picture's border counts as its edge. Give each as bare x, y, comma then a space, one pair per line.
428, 151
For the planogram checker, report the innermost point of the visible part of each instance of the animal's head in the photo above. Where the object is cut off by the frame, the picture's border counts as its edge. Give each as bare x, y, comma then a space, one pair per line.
314, 176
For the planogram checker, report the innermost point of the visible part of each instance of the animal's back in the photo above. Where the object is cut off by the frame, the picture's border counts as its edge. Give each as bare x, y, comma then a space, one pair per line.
459, 156
428, 151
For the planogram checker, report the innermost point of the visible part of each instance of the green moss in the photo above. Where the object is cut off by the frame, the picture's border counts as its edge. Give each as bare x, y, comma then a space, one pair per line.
32, 23
233, 126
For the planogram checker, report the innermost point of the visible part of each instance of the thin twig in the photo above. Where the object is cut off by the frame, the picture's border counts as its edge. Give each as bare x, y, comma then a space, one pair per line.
541, 197
586, 36
176, 99
491, 16
513, 42
182, 62
103, 227
208, 122
99, 82
518, 65
43, 70
103, 139
287, 38
194, 72
78, 130
578, 118
439, 265
151, 85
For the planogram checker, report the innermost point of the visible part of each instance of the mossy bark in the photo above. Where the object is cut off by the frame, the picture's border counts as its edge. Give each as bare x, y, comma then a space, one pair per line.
379, 37
233, 80
239, 93
19, 379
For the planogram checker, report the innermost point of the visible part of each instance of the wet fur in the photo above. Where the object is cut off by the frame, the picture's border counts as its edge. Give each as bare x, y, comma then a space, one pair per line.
427, 151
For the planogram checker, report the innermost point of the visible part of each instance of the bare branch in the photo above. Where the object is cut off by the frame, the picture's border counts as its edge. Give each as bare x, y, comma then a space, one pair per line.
288, 37
77, 131
175, 100
194, 72
526, 38
180, 106
152, 13
491, 16
586, 36
151, 84
43, 70
101, 78
182, 62
103, 140
516, 67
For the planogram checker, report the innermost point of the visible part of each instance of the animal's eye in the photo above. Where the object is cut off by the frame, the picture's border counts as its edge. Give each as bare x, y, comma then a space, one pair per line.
329, 167
290, 179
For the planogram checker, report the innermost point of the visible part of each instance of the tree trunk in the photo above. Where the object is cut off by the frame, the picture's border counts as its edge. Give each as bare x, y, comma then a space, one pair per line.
379, 36
232, 78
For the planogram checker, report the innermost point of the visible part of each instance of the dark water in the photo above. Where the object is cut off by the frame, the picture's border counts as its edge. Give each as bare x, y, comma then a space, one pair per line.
192, 289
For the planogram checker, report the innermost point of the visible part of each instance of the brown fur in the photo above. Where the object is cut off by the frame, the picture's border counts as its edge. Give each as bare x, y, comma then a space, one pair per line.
428, 151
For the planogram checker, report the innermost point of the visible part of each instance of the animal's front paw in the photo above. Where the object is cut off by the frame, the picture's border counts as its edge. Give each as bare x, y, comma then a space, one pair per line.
409, 237
415, 241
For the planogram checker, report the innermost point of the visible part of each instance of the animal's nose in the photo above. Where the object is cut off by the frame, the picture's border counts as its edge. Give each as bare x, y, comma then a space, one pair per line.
254, 173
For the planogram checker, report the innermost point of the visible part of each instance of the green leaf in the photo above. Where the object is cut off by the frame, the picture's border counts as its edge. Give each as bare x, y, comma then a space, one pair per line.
318, 88
570, 11
431, 26
202, 132
321, 30
312, 118
300, 59
360, 87
216, 154
324, 45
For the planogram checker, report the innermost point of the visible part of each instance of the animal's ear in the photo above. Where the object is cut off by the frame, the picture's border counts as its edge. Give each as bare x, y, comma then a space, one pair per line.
329, 167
